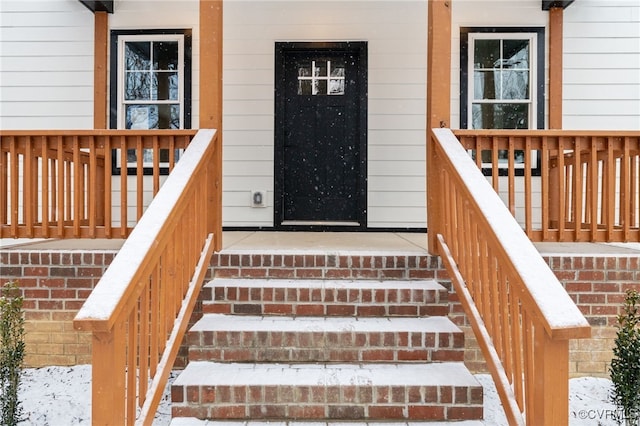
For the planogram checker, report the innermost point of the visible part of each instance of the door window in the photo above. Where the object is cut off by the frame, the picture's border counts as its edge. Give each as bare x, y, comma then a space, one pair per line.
322, 77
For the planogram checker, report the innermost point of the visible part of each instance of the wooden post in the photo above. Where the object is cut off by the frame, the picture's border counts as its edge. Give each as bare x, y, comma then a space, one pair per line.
438, 105
555, 108
551, 374
211, 96
555, 67
108, 373
100, 44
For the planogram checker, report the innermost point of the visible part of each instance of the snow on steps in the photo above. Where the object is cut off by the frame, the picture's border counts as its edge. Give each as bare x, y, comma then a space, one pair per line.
325, 297
192, 421
232, 338
326, 351
433, 391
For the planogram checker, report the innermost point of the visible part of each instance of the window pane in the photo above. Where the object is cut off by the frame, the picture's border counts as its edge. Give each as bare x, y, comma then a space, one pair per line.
304, 87
165, 86
336, 87
168, 116
515, 54
485, 84
486, 53
337, 69
500, 116
137, 86
515, 84
320, 87
320, 69
137, 55
139, 117
165, 55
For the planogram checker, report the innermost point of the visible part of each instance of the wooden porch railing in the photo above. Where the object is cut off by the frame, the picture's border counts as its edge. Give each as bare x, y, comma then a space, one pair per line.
139, 310
520, 313
573, 185
71, 183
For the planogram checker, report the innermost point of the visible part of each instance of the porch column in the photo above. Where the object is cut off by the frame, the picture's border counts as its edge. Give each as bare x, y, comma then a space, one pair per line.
438, 104
555, 104
100, 51
211, 100
555, 67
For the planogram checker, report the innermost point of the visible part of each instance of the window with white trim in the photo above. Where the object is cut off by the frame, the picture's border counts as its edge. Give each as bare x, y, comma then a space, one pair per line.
502, 84
150, 82
502, 78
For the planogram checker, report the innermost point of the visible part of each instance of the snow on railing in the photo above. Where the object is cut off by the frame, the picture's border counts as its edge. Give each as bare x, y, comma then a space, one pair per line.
139, 310
519, 311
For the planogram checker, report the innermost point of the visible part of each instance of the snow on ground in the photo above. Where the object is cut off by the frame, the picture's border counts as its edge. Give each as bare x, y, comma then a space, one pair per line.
61, 396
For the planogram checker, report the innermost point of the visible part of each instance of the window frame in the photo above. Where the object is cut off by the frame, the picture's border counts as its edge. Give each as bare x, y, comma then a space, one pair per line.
116, 80
537, 70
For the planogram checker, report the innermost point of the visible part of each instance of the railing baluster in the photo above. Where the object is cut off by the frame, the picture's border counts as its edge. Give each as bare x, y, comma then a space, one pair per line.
625, 205
593, 183
124, 205
29, 188
610, 191
44, 201
511, 176
577, 189
156, 165
528, 189
139, 177
92, 187
108, 167
14, 185
4, 187
546, 176
77, 187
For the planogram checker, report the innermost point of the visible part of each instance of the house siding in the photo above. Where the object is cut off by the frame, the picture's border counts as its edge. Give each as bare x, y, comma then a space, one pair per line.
46, 80
602, 65
46, 58
396, 36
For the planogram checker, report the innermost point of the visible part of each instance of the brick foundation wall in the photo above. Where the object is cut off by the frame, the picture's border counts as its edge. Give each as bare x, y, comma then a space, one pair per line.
56, 283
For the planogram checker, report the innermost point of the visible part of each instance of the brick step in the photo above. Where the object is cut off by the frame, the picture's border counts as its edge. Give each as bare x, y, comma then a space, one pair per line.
192, 421
434, 392
362, 298
233, 338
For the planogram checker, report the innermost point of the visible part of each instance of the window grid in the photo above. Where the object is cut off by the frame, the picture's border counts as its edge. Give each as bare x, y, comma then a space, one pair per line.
144, 105
502, 67
333, 84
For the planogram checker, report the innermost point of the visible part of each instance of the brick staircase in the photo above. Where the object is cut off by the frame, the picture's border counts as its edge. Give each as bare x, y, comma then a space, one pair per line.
329, 351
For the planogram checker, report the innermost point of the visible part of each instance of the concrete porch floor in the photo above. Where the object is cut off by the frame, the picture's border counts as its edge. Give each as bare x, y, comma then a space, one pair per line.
314, 242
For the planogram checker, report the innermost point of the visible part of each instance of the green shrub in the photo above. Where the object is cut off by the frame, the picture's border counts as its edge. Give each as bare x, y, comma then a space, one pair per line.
625, 366
11, 352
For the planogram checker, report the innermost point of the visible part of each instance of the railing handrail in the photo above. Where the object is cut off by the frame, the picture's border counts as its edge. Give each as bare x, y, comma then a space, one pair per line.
560, 315
139, 311
98, 132
110, 294
544, 132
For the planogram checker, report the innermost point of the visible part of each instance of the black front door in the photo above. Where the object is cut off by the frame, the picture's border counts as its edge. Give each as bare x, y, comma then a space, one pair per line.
320, 135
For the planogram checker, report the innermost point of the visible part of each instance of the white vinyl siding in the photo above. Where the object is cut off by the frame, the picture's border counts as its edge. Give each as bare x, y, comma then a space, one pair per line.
602, 65
46, 58
396, 36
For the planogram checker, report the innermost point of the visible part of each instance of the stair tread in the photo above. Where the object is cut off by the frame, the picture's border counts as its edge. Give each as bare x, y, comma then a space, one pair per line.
205, 373
326, 283
223, 322
192, 421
